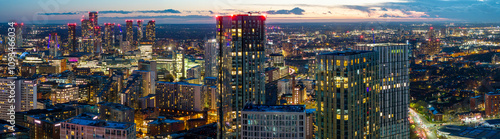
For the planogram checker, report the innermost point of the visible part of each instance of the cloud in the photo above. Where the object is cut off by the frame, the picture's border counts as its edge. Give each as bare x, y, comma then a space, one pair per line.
162, 16
115, 12
296, 11
359, 8
386, 16
383, 9
461, 10
161, 11
67, 13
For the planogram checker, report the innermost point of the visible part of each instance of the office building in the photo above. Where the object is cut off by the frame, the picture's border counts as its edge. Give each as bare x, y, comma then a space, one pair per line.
242, 41
347, 95
274, 121
395, 84
72, 47
151, 31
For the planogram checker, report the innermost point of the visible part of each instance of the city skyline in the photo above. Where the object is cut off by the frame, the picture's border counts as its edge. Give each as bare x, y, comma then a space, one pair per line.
295, 11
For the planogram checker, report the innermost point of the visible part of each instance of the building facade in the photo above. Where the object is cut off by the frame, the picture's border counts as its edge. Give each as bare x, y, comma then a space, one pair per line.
492, 103
241, 39
22, 98
395, 82
274, 121
347, 95
83, 128
180, 96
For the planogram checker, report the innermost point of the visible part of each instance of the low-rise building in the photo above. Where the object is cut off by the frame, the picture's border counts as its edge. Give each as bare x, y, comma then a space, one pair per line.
83, 128
273, 121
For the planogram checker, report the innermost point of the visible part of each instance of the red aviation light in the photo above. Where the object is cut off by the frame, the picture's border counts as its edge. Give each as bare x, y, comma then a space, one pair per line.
432, 28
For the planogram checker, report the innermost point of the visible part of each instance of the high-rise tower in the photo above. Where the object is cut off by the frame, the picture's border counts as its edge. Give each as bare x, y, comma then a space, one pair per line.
150, 31
97, 40
241, 39
72, 38
211, 48
130, 31
19, 34
394, 92
53, 44
139, 31
347, 95
93, 18
109, 35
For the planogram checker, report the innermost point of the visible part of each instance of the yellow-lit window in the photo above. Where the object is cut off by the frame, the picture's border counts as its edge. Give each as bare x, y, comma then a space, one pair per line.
338, 116
352, 62
364, 59
346, 117
364, 100
338, 85
346, 85
338, 63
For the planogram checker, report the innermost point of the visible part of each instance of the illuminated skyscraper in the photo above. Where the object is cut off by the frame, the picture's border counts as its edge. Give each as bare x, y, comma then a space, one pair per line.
150, 31
97, 39
432, 46
394, 95
72, 38
109, 36
139, 31
87, 36
19, 34
211, 48
93, 18
242, 41
130, 31
96, 36
53, 44
347, 95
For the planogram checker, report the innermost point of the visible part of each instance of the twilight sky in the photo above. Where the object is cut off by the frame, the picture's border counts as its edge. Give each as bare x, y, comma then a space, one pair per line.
203, 11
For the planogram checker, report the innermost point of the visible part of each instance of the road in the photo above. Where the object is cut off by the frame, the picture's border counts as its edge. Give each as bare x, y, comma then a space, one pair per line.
424, 128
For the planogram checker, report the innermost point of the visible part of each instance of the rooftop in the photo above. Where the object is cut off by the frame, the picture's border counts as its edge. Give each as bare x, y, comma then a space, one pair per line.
275, 108
381, 44
345, 53
162, 119
99, 123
